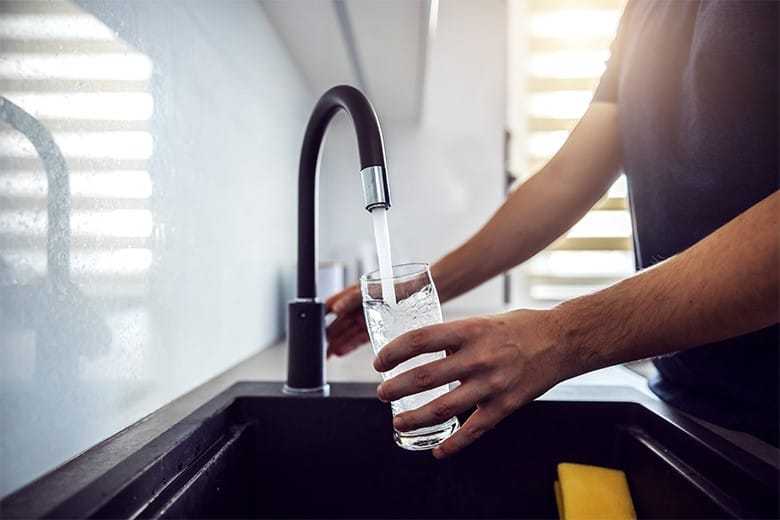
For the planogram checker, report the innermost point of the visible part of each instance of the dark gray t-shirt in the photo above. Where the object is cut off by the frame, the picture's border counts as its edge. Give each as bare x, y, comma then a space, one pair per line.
696, 83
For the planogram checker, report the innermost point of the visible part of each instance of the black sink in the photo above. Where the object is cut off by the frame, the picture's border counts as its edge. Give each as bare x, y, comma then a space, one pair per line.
255, 452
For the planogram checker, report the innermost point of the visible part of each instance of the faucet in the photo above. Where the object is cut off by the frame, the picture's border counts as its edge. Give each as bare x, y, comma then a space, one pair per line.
306, 314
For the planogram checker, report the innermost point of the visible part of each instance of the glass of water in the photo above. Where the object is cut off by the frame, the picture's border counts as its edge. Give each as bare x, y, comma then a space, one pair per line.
416, 305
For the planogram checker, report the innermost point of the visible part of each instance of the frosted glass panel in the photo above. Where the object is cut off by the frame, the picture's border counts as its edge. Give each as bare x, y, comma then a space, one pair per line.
152, 258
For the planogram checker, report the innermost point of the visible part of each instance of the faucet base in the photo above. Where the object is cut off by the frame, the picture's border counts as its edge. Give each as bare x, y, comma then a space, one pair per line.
306, 346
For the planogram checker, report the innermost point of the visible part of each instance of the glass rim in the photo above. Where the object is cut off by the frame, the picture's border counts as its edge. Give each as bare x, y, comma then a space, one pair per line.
418, 268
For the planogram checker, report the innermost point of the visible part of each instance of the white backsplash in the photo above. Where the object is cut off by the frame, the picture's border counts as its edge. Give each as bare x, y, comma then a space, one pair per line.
183, 200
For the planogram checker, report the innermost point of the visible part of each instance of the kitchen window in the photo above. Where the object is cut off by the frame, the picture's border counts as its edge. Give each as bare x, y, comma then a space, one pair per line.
557, 52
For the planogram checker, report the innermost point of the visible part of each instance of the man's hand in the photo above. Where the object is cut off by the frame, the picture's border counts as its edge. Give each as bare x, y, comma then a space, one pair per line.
348, 331
501, 361
507, 360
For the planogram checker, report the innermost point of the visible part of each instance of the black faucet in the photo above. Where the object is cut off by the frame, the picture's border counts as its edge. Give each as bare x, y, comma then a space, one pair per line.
306, 314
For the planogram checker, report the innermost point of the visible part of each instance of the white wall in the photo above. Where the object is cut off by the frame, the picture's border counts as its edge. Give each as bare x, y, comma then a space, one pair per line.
229, 113
446, 173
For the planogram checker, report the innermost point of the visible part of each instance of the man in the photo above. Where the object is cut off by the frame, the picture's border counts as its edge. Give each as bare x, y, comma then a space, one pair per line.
688, 109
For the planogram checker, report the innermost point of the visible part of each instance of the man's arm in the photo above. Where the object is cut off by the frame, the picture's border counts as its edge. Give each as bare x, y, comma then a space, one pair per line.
534, 215
542, 208
726, 285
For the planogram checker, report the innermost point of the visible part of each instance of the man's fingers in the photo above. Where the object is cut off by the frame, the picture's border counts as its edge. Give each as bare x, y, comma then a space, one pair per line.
424, 377
343, 324
484, 419
348, 330
457, 401
349, 298
348, 341
406, 346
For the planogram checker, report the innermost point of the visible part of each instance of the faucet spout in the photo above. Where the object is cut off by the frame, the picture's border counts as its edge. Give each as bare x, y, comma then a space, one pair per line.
306, 344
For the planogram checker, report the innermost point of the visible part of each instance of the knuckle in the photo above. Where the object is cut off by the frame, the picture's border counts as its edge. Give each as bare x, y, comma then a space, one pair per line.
483, 360
508, 352
417, 340
412, 420
506, 407
477, 326
443, 410
501, 406
423, 377
472, 328
473, 433
496, 383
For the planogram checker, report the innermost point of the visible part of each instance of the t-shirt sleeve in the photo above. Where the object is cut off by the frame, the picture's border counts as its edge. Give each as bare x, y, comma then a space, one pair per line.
607, 89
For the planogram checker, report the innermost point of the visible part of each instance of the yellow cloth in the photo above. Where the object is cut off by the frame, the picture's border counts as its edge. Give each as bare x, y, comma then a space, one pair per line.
592, 492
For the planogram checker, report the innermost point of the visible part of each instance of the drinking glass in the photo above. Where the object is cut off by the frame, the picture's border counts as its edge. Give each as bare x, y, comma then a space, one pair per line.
416, 305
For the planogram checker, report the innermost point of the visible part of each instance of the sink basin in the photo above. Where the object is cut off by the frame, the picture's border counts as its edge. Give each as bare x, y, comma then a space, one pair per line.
255, 452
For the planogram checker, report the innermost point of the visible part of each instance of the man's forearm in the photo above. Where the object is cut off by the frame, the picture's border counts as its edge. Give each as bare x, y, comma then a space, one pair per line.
723, 286
540, 210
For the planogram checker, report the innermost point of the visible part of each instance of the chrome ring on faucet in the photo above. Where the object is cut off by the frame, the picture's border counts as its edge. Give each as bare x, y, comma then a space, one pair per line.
376, 192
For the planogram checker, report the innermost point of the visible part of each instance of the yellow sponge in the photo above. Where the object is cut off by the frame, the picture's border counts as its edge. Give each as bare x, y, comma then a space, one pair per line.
592, 492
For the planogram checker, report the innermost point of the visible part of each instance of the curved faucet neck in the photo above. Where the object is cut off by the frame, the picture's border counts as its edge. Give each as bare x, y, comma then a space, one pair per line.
371, 152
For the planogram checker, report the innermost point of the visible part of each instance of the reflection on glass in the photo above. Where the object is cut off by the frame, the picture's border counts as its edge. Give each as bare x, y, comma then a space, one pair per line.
89, 263
54, 26
107, 106
76, 66
116, 184
65, 344
88, 145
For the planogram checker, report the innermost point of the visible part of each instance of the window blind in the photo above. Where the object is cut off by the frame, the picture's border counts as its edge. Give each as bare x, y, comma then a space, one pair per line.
557, 53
